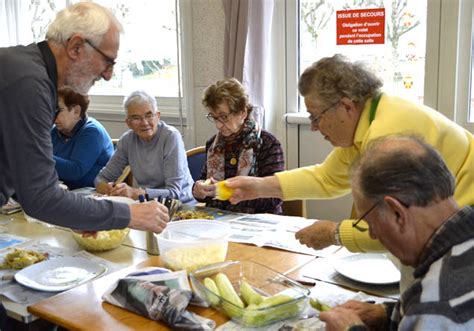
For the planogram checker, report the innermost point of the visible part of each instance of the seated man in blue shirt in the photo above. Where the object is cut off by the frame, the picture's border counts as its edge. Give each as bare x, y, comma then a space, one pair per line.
155, 152
81, 145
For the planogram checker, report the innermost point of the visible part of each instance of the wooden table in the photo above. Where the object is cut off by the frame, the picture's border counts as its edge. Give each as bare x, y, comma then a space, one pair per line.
82, 308
17, 224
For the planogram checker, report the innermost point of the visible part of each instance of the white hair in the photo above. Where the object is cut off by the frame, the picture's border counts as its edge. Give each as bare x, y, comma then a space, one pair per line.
87, 18
139, 98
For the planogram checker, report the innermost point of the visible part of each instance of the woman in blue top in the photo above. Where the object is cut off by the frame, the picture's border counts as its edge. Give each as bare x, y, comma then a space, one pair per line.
81, 145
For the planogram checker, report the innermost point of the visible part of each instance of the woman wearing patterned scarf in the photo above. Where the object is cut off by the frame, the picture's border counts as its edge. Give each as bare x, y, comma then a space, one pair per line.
240, 147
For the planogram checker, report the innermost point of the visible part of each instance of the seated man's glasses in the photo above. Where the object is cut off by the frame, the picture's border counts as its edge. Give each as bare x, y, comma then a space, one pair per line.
317, 118
221, 118
135, 119
356, 225
110, 61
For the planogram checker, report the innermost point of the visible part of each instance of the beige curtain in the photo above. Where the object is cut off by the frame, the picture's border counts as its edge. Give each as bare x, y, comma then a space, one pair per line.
235, 39
247, 34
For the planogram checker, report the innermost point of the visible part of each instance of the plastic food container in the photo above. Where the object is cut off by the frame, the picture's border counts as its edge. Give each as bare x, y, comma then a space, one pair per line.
263, 280
104, 240
192, 244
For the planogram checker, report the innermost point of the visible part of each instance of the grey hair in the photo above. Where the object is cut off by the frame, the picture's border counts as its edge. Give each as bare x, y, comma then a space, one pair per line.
139, 98
404, 167
333, 78
86, 18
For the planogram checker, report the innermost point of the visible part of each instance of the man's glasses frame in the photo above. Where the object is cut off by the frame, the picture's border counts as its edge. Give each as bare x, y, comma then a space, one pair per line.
356, 225
110, 61
316, 119
135, 119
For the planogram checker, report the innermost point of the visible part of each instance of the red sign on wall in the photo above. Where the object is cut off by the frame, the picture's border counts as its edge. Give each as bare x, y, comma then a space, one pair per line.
361, 27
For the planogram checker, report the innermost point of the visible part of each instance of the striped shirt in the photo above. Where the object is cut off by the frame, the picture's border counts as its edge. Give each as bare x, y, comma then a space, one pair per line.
442, 295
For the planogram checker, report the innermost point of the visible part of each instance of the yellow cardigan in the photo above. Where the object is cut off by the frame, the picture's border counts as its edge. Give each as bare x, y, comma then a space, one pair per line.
394, 115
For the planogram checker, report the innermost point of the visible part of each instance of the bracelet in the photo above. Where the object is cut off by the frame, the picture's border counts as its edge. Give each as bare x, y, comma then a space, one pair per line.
337, 238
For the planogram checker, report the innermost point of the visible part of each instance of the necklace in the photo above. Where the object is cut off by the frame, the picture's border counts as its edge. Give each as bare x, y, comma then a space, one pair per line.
233, 160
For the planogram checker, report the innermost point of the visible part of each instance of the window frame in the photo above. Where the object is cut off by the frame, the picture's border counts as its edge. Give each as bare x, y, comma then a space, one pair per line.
447, 68
109, 107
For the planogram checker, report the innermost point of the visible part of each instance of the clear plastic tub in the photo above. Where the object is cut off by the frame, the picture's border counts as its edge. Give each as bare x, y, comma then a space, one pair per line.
188, 245
263, 280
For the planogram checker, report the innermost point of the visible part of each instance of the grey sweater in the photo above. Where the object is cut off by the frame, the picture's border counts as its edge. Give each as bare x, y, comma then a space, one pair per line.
28, 102
159, 165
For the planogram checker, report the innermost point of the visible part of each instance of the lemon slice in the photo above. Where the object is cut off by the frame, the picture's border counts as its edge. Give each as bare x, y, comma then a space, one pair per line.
223, 192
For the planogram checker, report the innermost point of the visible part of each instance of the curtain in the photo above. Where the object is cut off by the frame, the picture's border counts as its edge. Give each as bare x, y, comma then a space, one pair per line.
14, 24
247, 34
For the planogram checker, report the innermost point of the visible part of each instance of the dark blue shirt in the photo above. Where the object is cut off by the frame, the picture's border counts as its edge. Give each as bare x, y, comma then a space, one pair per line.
80, 157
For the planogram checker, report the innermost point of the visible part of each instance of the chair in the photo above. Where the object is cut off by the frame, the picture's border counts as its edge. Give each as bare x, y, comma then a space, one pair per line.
129, 177
196, 157
294, 208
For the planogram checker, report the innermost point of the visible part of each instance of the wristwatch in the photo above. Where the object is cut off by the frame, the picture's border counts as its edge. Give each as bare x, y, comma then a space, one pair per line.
337, 238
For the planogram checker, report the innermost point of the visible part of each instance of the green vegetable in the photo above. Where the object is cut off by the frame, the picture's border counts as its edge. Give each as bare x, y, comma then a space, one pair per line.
318, 305
249, 295
227, 292
271, 309
211, 286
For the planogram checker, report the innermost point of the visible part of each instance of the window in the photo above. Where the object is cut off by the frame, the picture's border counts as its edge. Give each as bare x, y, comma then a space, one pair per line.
399, 60
148, 55
148, 50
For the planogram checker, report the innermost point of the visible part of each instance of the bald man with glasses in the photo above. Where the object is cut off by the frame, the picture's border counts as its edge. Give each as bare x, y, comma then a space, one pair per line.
405, 192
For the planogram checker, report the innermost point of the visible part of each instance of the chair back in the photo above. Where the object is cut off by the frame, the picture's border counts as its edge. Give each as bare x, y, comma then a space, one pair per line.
127, 172
294, 208
196, 157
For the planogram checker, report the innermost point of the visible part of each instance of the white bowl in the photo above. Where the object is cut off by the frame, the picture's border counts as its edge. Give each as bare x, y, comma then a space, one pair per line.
104, 240
193, 244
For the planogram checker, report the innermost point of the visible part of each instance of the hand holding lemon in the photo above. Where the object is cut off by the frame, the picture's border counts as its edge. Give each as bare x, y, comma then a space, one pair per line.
223, 192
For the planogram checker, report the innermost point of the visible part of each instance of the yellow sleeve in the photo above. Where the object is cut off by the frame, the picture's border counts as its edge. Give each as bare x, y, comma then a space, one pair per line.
358, 241
327, 180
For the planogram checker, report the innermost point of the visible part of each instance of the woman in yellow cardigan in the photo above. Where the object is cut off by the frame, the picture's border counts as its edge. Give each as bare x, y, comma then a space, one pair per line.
347, 107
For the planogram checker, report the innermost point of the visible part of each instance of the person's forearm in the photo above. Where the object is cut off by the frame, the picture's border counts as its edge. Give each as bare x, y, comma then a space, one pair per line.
269, 187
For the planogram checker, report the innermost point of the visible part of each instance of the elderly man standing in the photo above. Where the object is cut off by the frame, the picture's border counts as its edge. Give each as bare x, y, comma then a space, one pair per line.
80, 48
155, 152
404, 190
348, 108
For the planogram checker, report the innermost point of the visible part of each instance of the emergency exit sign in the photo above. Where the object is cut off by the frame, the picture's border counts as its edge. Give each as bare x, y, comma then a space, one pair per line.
361, 26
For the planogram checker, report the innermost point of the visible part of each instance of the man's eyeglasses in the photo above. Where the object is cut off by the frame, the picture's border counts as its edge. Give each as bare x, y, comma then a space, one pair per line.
110, 61
356, 225
221, 118
316, 119
135, 119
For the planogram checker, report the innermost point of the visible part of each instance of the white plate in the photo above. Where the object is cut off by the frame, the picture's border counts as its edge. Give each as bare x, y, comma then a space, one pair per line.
126, 200
59, 274
368, 268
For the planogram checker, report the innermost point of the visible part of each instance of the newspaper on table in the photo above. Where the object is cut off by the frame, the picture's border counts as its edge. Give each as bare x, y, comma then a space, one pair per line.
160, 295
27, 296
273, 231
9, 240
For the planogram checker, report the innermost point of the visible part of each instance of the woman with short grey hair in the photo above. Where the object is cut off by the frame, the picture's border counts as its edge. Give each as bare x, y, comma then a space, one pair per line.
346, 105
331, 79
